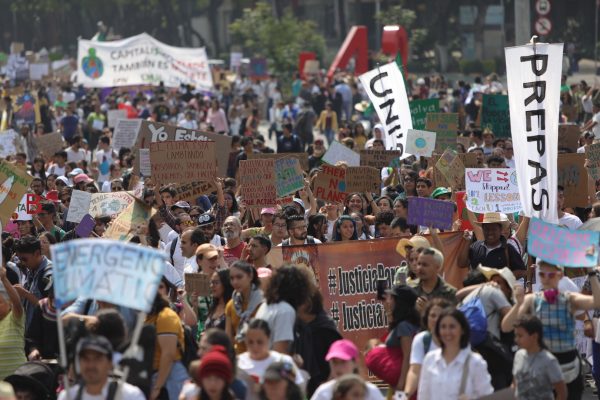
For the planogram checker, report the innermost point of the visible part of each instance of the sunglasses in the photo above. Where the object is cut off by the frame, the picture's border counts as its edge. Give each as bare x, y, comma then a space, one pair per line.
116, 188
548, 275
187, 223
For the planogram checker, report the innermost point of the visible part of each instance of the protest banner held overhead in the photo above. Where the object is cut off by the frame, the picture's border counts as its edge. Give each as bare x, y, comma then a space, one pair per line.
362, 179
257, 180
126, 133
419, 110
141, 60
445, 125
378, 158
573, 177
492, 190
495, 115
124, 274
301, 157
182, 161
289, 176
560, 246
385, 87
337, 152
534, 115
424, 211
420, 143
8, 143
14, 183
49, 144
330, 184
109, 204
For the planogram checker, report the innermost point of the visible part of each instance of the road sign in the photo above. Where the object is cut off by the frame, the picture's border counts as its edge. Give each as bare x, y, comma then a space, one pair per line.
543, 7
543, 26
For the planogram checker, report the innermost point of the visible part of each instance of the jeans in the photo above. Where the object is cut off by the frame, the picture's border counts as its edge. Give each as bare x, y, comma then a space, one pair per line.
175, 380
329, 134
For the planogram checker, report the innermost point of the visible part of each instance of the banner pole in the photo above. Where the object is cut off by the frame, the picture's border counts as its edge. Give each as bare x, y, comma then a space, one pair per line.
63, 350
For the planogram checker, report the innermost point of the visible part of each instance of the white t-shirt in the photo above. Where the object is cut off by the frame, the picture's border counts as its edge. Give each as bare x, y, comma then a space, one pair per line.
104, 159
55, 169
75, 156
570, 221
417, 349
596, 128
281, 318
325, 392
128, 392
256, 368
179, 260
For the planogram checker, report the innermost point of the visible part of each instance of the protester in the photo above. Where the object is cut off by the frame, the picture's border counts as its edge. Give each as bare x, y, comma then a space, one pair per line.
12, 327
278, 383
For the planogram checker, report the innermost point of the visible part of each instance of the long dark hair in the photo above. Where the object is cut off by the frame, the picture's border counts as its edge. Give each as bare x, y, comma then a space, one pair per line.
461, 319
315, 225
290, 284
227, 290
337, 236
292, 392
247, 269
234, 204
159, 304
405, 300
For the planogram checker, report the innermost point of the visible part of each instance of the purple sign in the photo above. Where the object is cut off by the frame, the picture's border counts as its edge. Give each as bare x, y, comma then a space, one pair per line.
86, 226
424, 211
562, 246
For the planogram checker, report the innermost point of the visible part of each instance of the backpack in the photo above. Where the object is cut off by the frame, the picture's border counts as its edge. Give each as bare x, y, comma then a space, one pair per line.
427, 342
190, 351
309, 240
477, 318
172, 249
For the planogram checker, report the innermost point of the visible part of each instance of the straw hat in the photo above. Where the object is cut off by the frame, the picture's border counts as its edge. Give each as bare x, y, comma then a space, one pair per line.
505, 273
415, 242
495, 218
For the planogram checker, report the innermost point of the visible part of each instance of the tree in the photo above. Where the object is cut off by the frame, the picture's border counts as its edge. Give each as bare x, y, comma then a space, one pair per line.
278, 40
399, 15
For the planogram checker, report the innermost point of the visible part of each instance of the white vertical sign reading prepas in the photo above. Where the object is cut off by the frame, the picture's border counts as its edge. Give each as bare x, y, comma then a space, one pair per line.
385, 87
533, 75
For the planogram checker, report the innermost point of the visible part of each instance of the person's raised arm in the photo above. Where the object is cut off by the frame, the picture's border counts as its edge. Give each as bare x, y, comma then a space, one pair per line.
462, 259
435, 237
218, 182
586, 302
312, 201
374, 206
13, 296
521, 307
477, 230
521, 233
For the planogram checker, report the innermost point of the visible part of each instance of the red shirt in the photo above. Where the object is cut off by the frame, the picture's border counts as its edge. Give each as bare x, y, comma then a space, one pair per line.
232, 255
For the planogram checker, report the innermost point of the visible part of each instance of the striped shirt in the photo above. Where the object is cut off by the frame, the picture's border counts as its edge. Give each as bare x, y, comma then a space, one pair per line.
12, 344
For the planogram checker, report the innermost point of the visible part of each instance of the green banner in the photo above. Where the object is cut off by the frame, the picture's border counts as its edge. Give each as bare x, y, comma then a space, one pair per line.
495, 115
419, 110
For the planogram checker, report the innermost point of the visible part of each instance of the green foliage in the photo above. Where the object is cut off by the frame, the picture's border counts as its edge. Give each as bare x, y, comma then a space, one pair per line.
398, 15
478, 66
279, 41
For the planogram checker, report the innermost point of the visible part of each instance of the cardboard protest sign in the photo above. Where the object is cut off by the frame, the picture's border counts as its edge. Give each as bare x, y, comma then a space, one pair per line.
126, 133
288, 176
125, 226
79, 205
452, 168
114, 115
330, 184
191, 191
492, 190
301, 157
562, 246
338, 152
49, 144
347, 273
141, 60
85, 227
419, 110
156, 132
183, 161
123, 274
363, 179
109, 204
8, 143
573, 176
446, 127
568, 137
14, 183
145, 163
420, 143
378, 158
424, 211
37, 71
464, 141
197, 283
592, 154
495, 115
257, 180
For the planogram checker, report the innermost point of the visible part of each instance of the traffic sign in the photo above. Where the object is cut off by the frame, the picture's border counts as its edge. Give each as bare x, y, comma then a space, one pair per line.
543, 26
543, 7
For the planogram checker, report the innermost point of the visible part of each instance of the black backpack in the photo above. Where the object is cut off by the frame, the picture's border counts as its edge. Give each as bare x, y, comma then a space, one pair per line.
190, 351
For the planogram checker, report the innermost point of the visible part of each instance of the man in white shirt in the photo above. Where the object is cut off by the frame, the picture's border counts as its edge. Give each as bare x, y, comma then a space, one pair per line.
569, 220
103, 159
188, 121
588, 139
75, 153
298, 231
95, 365
190, 240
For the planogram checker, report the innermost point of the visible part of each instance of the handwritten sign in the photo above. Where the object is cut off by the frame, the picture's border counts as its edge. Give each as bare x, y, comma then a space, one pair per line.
338, 152
562, 246
330, 184
573, 176
197, 283
568, 137
183, 161
79, 205
592, 153
378, 158
288, 176
123, 274
109, 204
8, 143
114, 115
452, 168
495, 114
424, 211
14, 183
156, 132
191, 191
420, 143
301, 157
419, 110
145, 164
257, 178
126, 133
48, 144
125, 226
363, 179
446, 127
492, 190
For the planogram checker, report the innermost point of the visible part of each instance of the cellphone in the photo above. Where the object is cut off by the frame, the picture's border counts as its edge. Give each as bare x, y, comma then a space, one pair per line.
382, 286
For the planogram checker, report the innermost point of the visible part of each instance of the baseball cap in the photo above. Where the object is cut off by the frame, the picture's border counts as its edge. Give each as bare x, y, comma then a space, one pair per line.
343, 349
82, 178
207, 250
33, 375
300, 203
96, 343
181, 204
76, 171
268, 210
205, 219
280, 370
440, 191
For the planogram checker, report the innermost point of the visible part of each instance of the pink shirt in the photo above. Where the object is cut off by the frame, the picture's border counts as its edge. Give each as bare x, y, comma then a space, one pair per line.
218, 120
